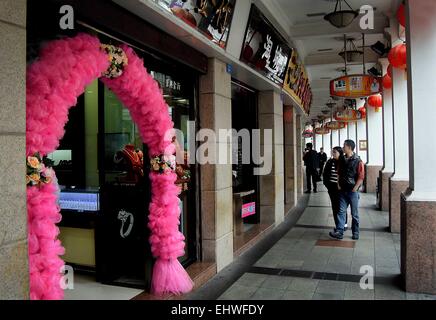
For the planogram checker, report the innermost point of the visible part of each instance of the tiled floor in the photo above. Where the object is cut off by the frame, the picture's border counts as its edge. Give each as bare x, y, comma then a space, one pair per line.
86, 288
298, 268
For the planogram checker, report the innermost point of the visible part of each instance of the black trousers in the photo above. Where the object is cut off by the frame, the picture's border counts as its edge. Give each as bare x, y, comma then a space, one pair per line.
311, 177
334, 199
321, 168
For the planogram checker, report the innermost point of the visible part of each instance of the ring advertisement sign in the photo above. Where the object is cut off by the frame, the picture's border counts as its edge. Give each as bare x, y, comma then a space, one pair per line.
264, 48
355, 86
297, 82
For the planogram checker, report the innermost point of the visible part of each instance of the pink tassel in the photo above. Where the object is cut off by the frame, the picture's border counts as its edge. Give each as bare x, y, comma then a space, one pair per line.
169, 276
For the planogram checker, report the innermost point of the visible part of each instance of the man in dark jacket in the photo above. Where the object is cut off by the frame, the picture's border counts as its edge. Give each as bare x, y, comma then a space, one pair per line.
322, 156
351, 173
311, 163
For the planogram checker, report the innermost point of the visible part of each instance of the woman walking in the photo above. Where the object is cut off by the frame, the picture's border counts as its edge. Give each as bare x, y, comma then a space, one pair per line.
330, 180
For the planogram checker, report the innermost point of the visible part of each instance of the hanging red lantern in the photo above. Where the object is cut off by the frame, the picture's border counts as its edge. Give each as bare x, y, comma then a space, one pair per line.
362, 111
398, 56
387, 81
375, 101
401, 15
389, 72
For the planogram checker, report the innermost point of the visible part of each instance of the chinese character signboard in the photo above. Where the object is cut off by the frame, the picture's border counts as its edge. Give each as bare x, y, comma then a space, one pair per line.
297, 82
348, 115
211, 17
264, 48
355, 86
248, 209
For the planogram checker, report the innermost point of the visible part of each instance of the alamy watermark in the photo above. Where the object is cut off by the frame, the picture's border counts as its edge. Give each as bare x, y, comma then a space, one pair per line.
227, 146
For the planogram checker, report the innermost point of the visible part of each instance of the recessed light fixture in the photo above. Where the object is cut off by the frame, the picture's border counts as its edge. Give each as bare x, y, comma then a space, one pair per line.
324, 50
318, 14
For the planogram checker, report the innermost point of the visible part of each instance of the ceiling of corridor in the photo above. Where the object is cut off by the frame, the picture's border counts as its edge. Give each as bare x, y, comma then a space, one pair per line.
318, 43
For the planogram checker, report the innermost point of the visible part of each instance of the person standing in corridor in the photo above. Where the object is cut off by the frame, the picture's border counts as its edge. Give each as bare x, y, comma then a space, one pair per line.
322, 161
311, 162
351, 173
330, 180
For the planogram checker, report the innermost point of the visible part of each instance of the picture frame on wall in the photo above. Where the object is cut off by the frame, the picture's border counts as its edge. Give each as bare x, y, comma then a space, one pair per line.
363, 145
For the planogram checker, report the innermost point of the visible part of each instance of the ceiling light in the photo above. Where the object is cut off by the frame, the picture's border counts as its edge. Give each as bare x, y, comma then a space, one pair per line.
351, 54
341, 18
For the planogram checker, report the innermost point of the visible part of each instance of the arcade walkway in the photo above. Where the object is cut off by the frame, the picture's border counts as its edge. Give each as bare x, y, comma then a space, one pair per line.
306, 264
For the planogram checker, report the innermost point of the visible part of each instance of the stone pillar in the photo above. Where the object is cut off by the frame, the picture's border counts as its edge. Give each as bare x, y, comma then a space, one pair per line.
299, 157
352, 131
361, 136
318, 141
388, 145
343, 135
374, 134
326, 144
290, 145
418, 205
272, 184
335, 138
216, 179
14, 270
400, 179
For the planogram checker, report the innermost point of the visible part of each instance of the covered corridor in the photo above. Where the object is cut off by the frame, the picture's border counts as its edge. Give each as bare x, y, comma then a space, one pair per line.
301, 262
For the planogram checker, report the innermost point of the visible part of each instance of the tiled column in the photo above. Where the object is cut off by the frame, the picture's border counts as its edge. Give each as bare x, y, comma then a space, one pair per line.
360, 133
418, 206
351, 128
216, 179
388, 144
272, 184
343, 135
374, 134
290, 144
299, 156
400, 179
14, 270
326, 144
335, 138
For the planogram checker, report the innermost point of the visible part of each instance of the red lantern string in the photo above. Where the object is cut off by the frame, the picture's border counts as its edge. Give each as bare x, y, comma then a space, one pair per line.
389, 72
387, 82
375, 101
362, 111
398, 56
401, 15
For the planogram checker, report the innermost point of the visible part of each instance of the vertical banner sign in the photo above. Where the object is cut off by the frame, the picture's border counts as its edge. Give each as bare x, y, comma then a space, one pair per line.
248, 209
264, 48
297, 82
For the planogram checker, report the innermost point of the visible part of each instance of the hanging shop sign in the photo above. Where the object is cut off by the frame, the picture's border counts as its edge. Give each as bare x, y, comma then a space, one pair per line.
355, 86
335, 125
307, 133
322, 130
297, 82
348, 115
264, 48
211, 17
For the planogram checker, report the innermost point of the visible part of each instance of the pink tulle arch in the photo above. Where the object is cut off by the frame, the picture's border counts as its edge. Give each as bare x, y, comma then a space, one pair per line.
54, 82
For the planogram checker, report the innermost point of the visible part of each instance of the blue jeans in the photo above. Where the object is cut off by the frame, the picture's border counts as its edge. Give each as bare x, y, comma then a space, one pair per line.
348, 198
